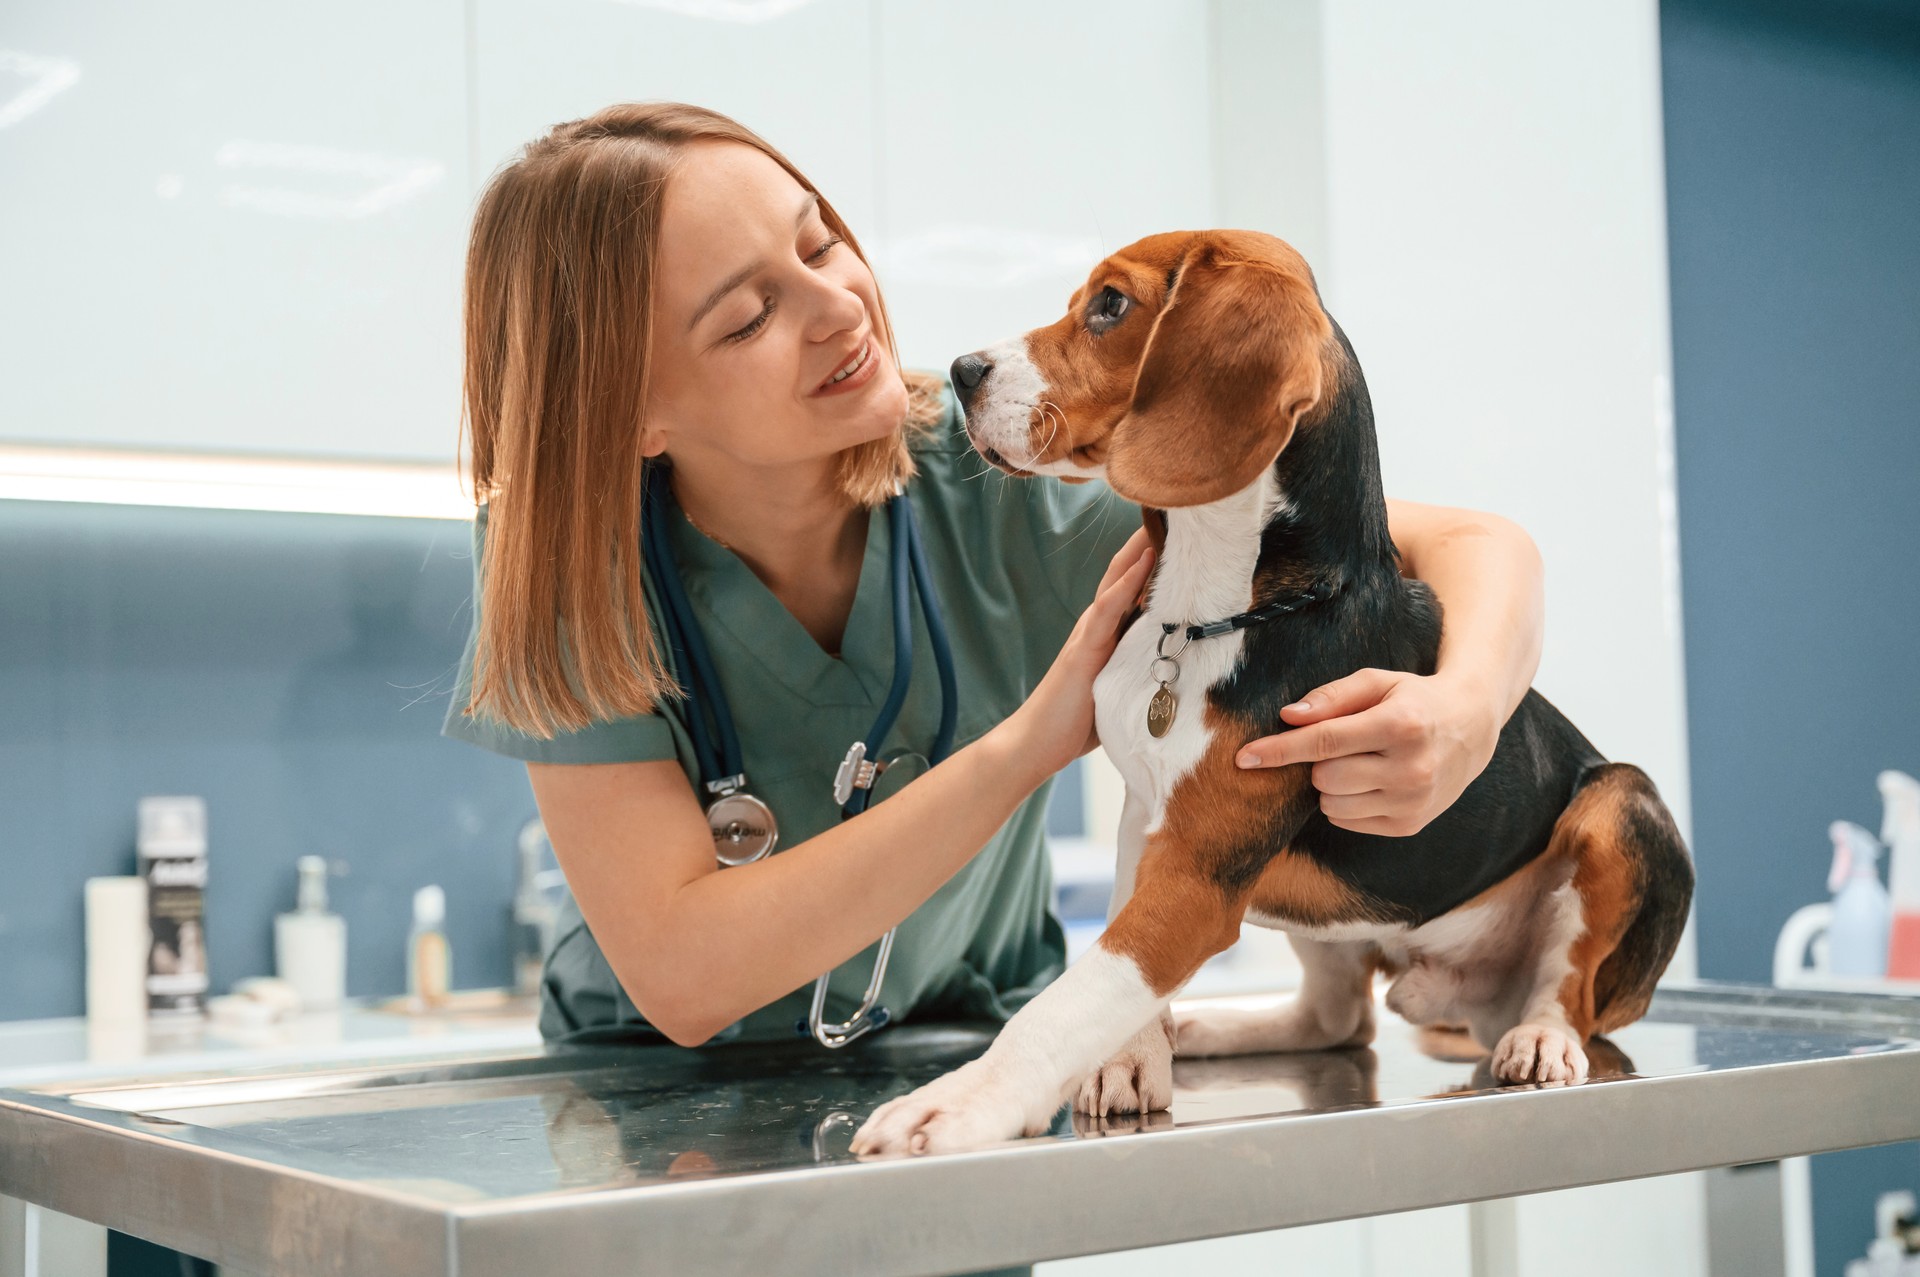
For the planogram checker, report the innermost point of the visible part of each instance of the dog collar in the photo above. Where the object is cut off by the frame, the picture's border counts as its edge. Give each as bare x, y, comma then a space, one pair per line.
1165, 669
1294, 602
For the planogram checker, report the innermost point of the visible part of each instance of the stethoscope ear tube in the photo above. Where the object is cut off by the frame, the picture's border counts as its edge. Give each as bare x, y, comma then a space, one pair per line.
698, 680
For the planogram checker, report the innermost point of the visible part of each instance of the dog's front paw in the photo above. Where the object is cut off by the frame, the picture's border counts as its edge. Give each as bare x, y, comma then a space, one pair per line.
966, 1108
1138, 1079
1540, 1053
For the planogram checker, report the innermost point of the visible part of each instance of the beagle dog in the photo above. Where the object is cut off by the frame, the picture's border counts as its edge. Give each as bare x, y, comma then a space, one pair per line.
1198, 373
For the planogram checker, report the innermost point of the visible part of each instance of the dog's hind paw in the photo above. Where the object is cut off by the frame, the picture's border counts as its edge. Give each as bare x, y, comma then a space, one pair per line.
1540, 1053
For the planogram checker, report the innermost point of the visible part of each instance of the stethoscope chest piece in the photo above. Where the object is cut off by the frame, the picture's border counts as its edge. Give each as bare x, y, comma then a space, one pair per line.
743, 828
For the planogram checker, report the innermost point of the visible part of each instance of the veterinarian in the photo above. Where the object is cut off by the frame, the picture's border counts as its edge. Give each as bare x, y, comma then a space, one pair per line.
656, 296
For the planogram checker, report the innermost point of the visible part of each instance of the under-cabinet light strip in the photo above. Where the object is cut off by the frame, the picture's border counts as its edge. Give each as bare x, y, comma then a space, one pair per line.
292, 485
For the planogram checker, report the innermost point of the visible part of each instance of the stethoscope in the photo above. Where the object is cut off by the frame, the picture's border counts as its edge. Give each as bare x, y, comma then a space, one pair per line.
744, 829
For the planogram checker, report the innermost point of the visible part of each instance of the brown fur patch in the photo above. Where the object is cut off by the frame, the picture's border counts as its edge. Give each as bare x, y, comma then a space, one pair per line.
1240, 821
1241, 305
1296, 888
1174, 921
1214, 854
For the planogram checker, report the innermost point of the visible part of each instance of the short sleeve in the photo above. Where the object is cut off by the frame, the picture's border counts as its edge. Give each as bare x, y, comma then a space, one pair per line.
636, 739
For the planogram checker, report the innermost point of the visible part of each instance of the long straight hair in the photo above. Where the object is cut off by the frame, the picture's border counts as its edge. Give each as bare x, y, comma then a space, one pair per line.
558, 314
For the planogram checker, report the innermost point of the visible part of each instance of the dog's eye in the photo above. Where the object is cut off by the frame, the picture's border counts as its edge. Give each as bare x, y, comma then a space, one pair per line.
1108, 308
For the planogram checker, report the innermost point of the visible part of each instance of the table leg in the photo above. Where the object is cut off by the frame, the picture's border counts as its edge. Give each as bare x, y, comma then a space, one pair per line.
36, 1242
1493, 1233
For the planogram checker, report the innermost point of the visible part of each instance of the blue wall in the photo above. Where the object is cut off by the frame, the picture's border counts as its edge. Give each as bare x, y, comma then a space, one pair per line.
290, 668
293, 669
1793, 179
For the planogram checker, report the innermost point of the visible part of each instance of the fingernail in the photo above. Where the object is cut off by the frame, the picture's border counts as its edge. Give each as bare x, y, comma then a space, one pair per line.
1248, 760
1301, 705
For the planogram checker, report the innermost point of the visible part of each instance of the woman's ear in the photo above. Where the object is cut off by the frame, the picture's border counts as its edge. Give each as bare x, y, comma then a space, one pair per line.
1232, 362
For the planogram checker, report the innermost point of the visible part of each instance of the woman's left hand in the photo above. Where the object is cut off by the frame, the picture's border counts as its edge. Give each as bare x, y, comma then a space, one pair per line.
1390, 750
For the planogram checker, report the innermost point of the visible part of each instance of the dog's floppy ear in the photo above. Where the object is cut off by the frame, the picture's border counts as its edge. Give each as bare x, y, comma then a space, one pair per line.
1233, 361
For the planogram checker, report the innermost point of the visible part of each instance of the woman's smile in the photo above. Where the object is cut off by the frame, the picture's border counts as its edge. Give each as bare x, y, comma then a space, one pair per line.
853, 374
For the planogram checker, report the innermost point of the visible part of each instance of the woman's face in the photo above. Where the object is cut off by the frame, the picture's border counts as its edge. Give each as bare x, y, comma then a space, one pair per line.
757, 304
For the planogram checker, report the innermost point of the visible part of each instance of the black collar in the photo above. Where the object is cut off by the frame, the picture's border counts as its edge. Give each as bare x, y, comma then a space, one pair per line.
1295, 601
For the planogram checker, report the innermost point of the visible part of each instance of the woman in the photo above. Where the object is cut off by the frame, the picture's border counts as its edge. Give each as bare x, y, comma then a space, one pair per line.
655, 286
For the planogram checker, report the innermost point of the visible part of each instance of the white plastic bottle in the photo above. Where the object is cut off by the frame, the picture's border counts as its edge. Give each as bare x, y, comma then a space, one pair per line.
1862, 909
1900, 829
310, 944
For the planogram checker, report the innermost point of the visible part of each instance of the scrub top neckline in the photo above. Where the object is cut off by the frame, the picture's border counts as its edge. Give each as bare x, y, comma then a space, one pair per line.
727, 593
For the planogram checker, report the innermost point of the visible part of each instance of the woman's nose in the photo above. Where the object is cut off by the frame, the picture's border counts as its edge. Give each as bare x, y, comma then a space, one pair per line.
968, 372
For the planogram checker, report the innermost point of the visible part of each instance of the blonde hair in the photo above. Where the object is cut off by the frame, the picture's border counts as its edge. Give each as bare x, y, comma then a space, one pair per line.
558, 315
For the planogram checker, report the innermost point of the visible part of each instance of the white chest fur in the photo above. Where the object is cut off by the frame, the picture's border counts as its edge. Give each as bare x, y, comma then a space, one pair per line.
1206, 574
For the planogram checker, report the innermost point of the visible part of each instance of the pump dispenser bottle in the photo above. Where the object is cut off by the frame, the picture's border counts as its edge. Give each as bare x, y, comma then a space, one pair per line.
310, 944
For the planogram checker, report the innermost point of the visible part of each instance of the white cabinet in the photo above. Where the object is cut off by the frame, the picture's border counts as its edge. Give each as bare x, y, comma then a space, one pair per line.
231, 226
241, 228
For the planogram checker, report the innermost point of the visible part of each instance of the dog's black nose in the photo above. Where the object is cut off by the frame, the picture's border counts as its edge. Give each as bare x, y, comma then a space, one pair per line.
968, 372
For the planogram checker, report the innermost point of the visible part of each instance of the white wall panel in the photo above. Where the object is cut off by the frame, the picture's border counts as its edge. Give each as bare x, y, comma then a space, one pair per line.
1020, 144
799, 74
1497, 226
232, 226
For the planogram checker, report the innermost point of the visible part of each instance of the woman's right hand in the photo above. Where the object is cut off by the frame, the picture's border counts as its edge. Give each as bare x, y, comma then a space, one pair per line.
1055, 725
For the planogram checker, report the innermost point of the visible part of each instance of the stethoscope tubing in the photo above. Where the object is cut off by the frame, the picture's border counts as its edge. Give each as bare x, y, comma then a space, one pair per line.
721, 762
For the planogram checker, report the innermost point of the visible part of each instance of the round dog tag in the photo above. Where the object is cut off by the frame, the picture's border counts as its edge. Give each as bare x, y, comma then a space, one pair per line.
743, 828
1160, 712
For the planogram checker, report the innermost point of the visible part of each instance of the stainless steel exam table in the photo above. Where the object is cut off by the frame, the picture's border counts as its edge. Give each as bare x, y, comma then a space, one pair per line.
622, 1158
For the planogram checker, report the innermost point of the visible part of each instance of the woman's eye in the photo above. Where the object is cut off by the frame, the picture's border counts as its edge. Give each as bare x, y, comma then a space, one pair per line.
758, 322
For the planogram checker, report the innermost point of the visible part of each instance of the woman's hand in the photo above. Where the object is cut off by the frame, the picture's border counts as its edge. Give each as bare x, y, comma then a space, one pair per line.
1390, 750
1393, 750
1055, 725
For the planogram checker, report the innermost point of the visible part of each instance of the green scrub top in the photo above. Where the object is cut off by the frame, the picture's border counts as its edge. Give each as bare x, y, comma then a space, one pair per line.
1015, 561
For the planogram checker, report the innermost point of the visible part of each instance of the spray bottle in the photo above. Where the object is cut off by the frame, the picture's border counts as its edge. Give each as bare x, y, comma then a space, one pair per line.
1900, 830
1857, 932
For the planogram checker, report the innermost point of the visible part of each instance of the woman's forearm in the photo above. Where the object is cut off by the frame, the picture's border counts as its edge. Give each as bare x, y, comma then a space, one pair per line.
697, 946
1488, 575
737, 939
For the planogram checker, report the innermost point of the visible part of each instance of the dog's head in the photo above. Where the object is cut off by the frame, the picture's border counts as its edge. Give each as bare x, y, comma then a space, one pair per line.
1179, 372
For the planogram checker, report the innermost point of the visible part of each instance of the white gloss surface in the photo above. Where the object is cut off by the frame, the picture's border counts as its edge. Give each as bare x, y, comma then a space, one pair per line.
235, 227
263, 249
37, 1051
